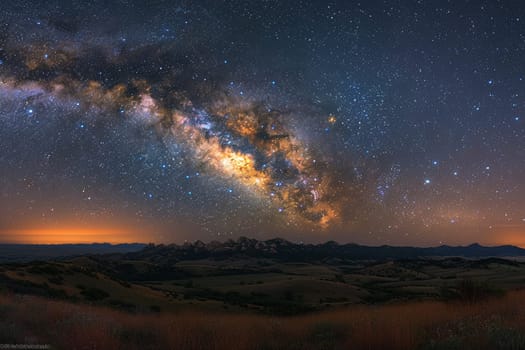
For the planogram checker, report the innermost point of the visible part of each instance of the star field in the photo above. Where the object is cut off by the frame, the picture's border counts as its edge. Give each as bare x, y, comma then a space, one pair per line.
381, 122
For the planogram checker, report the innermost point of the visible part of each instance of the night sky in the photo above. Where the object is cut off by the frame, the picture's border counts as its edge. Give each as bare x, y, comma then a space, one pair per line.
376, 122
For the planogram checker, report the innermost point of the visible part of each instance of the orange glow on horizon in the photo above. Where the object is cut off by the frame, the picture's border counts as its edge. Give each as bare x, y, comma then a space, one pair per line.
510, 235
69, 235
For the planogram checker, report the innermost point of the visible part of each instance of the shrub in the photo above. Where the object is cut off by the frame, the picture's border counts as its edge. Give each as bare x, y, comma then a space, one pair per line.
472, 291
325, 335
505, 338
94, 294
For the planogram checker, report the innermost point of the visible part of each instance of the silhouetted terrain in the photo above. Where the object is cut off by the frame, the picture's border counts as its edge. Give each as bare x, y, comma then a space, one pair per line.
273, 276
332, 296
277, 248
284, 250
28, 252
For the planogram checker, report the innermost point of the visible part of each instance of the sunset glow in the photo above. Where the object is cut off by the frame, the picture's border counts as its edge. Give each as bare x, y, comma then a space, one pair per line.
68, 235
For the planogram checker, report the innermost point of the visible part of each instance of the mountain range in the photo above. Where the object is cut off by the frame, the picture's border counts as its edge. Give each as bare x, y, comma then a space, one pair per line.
276, 248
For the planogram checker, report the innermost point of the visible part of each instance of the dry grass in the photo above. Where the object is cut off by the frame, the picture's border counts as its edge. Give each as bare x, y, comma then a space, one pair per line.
493, 324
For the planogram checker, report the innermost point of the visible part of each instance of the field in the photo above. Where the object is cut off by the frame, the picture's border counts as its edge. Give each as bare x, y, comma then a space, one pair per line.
260, 286
497, 323
153, 301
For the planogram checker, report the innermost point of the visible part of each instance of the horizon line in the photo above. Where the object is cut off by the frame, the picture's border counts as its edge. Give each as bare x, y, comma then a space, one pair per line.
262, 240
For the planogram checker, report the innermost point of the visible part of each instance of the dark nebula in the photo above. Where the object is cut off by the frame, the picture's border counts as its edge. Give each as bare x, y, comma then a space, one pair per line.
376, 122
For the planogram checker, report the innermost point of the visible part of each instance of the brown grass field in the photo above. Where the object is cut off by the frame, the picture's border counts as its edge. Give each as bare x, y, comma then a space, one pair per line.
497, 323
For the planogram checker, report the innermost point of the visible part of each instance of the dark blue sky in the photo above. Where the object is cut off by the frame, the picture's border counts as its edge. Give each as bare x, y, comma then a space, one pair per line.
381, 122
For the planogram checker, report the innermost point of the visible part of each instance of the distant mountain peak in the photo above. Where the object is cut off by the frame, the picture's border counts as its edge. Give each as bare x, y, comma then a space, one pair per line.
275, 248
281, 249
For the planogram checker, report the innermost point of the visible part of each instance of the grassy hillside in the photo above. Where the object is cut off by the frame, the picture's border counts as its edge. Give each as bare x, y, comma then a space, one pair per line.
259, 285
162, 302
497, 323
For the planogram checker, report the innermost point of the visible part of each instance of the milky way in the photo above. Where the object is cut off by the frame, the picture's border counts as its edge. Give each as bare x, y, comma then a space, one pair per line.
228, 137
376, 123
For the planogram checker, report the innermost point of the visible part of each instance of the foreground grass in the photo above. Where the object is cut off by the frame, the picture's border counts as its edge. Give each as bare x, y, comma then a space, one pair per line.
494, 324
